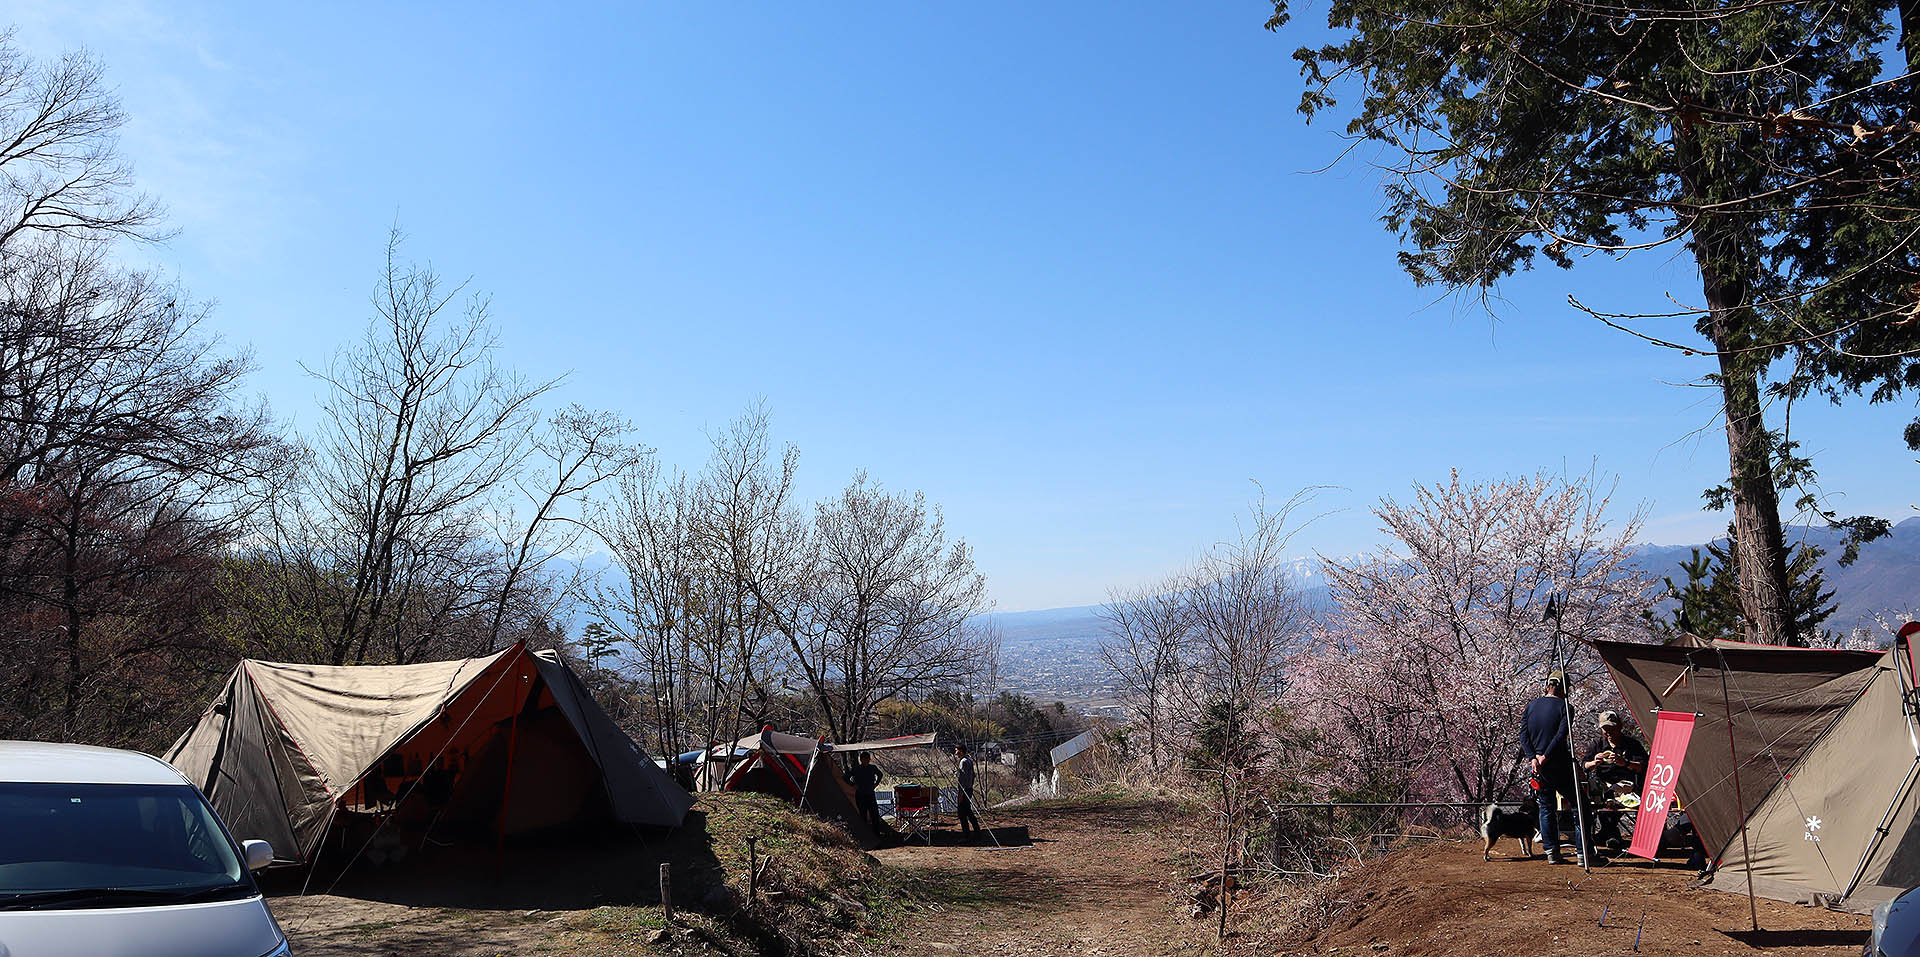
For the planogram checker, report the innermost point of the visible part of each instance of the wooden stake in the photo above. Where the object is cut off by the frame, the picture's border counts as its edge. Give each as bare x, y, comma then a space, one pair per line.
666, 892
753, 871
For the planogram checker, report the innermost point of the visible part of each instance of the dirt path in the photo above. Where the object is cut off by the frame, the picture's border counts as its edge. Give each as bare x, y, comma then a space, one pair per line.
1095, 882
1442, 899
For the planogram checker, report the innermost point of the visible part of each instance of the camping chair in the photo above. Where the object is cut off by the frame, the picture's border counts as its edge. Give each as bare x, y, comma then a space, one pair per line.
912, 806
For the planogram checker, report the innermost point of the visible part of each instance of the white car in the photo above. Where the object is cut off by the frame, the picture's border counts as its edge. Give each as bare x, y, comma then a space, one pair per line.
113, 854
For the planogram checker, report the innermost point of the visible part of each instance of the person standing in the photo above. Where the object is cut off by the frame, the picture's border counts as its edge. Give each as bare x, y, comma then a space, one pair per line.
866, 778
968, 823
1543, 736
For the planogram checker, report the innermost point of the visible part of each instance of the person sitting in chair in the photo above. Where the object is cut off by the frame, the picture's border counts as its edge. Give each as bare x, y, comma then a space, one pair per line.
1616, 757
1616, 764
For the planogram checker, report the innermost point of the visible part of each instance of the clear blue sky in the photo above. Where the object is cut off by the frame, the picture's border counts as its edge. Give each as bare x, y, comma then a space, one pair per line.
1061, 266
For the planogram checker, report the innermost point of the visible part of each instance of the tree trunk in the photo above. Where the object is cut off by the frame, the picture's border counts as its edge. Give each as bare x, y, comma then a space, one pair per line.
1726, 258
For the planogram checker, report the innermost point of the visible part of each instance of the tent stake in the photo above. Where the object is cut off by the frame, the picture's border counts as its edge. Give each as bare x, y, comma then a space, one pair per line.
1746, 849
753, 873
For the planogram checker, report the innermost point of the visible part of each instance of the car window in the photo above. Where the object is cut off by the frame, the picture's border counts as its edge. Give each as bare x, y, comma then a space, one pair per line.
121, 836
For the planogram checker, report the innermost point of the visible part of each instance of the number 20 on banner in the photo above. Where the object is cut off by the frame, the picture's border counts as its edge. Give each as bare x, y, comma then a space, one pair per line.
1672, 730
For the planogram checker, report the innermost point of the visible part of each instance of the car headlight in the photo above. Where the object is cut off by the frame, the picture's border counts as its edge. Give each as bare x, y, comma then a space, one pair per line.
284, 950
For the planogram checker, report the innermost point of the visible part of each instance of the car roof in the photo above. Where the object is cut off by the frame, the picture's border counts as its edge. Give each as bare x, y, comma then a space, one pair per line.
48, 763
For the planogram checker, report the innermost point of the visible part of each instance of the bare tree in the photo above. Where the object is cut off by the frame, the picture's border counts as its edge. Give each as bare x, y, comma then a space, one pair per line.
420, 427
647, 526
890, 607
579, 450
755, 541
60, 169
1147, 635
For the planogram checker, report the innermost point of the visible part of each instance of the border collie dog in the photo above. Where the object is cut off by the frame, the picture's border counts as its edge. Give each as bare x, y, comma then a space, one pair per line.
1522, 824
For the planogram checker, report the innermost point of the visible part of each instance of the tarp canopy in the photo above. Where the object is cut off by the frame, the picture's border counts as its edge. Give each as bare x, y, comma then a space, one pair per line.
284, 748
1782, 700
1840, 830
891, 744
785, 743
1071, 748
810, 779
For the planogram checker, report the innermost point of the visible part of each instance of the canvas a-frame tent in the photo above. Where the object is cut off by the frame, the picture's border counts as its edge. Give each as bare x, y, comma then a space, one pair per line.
1827, 750
510, 743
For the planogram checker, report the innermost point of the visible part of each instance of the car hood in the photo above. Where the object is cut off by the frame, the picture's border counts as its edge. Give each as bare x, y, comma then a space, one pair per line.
241, 928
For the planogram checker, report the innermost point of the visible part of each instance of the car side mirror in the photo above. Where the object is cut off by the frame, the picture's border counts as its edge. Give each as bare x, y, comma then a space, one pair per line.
258, 854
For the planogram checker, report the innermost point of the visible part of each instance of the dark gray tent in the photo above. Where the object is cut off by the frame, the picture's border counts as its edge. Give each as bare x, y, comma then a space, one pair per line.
510, 743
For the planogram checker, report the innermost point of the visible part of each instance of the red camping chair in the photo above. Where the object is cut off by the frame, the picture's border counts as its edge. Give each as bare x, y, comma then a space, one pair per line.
912, 806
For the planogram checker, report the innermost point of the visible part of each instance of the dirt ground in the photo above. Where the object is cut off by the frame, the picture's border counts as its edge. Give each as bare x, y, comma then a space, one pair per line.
1443, 900
1096, 881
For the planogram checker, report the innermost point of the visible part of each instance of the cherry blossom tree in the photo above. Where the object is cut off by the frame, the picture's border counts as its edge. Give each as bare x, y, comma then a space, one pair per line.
1414, 684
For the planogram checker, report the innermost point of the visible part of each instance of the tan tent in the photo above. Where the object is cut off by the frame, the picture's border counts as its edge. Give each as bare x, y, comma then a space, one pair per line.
505, 744
1840, 830
1782, 700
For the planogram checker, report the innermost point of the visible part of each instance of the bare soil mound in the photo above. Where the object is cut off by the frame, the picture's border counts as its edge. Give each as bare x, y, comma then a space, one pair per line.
1442, 899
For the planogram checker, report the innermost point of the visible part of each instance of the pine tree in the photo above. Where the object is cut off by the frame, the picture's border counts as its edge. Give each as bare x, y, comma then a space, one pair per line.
1709, 603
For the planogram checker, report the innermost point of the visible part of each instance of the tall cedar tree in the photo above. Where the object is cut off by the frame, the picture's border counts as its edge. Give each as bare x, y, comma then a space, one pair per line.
1762, 137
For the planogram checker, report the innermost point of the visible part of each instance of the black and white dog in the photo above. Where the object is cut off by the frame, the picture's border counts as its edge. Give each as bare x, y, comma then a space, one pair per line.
1497, 822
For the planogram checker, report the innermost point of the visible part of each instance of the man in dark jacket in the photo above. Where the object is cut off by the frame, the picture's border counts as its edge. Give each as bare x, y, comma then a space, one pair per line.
968, 823
1543, 736
866, 778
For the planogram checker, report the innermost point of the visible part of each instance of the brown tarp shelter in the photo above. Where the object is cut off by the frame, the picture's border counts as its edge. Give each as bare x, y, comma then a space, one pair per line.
509, 743
1782, 700
1840, 830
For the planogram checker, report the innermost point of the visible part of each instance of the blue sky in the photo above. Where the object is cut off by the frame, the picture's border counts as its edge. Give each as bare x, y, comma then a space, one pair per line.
1062, 266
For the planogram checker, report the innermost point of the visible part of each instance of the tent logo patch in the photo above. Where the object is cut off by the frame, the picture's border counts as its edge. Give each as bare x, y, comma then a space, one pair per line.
1813, 829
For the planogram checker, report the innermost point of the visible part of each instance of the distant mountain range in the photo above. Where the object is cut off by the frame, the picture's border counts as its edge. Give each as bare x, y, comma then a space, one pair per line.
1885, 580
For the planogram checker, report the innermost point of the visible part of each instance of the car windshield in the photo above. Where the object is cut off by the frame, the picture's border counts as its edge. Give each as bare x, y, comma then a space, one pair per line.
113, 845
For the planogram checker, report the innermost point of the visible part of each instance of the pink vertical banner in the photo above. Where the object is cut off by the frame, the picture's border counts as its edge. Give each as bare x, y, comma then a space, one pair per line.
1671, 731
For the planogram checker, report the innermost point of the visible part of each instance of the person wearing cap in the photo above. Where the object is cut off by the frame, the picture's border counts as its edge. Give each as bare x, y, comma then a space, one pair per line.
1616, 756
1543, 738
1616, 763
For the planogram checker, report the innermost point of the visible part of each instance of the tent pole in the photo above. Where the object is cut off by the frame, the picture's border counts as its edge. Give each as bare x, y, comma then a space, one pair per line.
1880, 832
1746, 849
506, 789
1582, 833
807, 781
